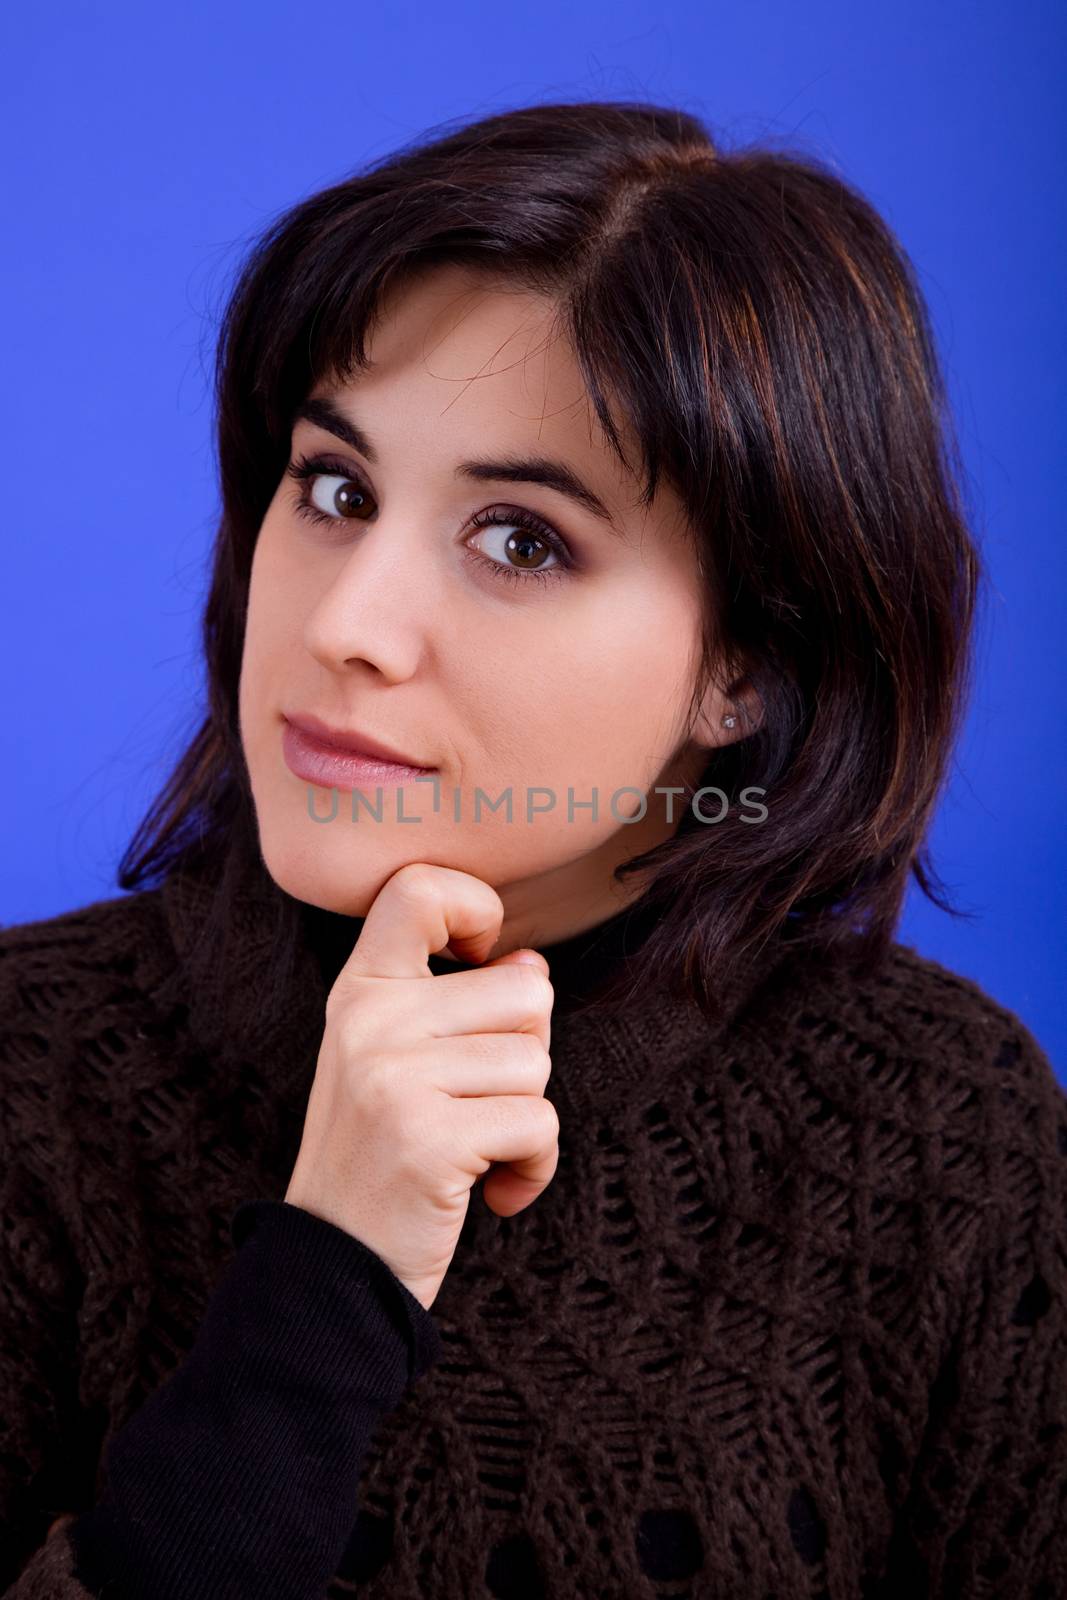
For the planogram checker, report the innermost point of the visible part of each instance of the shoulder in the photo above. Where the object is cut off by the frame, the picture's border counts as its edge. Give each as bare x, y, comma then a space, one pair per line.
995, 1077
86, 937
944, 1027
52, 960
963, 1032
925, 1088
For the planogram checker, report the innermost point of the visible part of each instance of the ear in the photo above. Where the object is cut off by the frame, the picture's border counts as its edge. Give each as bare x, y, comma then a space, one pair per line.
740, 701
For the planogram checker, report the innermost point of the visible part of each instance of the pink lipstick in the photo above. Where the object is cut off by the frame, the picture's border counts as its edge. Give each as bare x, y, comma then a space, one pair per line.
342, 759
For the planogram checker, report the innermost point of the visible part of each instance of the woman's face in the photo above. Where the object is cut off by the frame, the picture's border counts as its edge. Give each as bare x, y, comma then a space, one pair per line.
555, 663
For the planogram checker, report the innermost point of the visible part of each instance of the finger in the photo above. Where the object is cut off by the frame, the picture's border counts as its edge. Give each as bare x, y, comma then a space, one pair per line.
485, 1064
522, 1136
419, 910
480, 1000
527, 957
506, 1192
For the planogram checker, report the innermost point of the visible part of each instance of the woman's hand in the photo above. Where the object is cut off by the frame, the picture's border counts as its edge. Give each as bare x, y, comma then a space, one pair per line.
424, 1081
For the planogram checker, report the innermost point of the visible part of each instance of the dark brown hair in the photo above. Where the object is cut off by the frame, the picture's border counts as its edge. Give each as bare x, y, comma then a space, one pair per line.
751, 320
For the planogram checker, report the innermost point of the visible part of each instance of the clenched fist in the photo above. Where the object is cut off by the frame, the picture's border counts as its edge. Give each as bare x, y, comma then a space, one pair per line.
424, 1081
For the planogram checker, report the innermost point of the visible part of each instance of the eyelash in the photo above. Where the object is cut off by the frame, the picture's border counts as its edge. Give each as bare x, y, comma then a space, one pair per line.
306, 468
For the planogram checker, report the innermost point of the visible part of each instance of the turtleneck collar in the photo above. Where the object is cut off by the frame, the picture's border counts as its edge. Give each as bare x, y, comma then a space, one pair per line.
256, 984
579, 965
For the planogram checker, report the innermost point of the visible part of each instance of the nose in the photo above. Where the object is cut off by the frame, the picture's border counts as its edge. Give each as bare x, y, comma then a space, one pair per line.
378, 603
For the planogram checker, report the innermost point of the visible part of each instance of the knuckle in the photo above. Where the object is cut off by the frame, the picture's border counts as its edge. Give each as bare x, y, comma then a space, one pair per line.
336, 1007
532, 1051
349, 1029
346, 998
377, 1081
548, 1117
536, 987
362, 1009
414, 881
519, 1052
484, 1047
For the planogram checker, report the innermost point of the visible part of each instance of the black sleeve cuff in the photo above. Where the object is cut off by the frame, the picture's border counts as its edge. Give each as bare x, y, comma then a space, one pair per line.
239, 1476
330, 1248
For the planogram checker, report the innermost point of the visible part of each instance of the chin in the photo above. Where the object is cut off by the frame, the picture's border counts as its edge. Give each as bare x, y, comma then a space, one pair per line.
339, 869
322, 875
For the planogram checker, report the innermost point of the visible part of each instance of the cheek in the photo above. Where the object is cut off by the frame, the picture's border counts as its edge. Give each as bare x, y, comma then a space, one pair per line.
626, 674
607, 696
271, 636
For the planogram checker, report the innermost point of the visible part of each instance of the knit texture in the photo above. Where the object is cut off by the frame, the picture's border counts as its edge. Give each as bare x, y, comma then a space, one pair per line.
790, 1320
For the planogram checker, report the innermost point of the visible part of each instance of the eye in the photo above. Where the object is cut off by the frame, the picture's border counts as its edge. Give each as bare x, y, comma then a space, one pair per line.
331, 493
528, 541
328, 493
340, 495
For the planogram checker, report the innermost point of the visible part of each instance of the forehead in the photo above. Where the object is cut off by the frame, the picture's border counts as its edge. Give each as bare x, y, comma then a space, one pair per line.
473, 355
459, 324
463, 363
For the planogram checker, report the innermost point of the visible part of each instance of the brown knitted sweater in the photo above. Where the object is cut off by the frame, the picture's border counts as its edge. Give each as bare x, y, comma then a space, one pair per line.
790, 1320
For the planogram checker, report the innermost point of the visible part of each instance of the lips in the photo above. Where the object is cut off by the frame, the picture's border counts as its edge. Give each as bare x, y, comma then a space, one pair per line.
346, 742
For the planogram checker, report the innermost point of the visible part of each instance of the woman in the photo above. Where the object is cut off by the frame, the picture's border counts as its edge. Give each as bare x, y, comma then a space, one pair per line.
571, 464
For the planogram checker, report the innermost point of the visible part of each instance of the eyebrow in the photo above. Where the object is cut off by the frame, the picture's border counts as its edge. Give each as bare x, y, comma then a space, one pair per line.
508, 469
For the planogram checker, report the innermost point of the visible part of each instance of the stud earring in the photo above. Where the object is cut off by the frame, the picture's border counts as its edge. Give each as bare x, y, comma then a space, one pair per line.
729, 722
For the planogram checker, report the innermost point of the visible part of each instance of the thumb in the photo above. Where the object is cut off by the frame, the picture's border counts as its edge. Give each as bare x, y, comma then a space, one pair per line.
525, 957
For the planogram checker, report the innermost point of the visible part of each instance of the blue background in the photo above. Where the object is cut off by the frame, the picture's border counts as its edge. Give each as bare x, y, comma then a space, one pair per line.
146, 149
